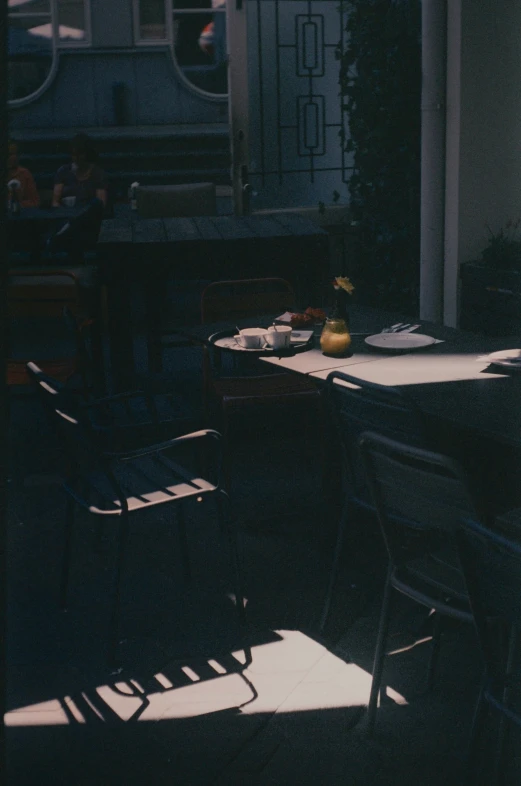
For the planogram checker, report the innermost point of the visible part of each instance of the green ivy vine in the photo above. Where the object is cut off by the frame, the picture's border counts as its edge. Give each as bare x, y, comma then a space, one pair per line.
380, 80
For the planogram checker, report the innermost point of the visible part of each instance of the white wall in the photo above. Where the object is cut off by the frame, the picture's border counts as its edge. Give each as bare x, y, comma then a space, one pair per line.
484, 132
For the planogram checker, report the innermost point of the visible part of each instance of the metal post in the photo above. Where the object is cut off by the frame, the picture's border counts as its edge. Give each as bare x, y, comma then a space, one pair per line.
3, 387
434, 37
238, 103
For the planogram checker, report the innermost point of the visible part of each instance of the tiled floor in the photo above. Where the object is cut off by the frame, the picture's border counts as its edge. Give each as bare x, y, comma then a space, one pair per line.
199, 701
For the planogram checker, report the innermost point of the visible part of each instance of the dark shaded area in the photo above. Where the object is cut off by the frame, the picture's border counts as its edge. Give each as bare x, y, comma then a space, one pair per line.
292, 715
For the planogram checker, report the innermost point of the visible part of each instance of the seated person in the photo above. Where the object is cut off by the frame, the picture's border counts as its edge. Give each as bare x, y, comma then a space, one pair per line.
82, 178
27, 193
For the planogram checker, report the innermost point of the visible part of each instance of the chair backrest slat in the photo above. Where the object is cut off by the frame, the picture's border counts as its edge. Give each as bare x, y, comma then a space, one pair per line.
492, 567
42, 294
184, 199
80, 441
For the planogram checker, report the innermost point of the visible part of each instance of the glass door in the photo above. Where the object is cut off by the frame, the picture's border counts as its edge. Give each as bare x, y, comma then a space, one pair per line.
287, 122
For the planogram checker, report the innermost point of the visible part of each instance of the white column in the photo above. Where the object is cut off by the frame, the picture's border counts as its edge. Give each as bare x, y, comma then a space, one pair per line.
434, 31
238, 99
452, 163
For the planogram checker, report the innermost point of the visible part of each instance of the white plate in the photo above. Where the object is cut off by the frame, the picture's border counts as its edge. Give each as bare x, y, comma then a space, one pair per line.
399, 341
509, 358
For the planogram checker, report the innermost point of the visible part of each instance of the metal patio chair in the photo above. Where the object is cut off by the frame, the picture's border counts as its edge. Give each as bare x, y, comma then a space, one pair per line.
123, 421
420, 498
491, 564
116, 486
356, 406
37, 303
230, 391
184, 199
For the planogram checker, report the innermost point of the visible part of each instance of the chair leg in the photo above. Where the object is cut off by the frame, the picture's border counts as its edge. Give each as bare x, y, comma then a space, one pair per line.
480, 713
227, 523
503, 721
435, 648
116, 598
66, 560
226, 452
335, 566
379, 655
183, 543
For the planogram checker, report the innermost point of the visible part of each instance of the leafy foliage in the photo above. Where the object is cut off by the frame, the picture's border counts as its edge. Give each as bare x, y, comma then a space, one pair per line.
380, 79
504, 248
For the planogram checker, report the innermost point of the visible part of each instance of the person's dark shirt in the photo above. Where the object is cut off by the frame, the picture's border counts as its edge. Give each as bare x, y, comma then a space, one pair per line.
83, 190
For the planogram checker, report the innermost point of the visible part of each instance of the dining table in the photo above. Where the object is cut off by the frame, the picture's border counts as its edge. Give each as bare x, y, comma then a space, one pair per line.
472, 404
26, 228
143, 254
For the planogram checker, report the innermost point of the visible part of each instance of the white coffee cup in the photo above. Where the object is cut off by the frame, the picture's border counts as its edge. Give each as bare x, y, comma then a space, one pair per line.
279, 336
69, 201
251, 338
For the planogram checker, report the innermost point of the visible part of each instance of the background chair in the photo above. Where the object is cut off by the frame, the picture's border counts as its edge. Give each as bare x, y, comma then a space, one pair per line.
36, 302
245, 386
491, 565
356, 406
420, 499
117, 486
187, 199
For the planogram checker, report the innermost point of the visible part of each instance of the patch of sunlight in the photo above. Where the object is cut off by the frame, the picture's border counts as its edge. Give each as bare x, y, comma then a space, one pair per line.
293, 674
217, 666
47, 713
418, 369
74, 710
396, 697
190, 673
410, 646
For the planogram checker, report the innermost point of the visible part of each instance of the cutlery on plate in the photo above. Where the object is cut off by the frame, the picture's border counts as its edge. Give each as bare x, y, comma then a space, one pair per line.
408, 329
393, 328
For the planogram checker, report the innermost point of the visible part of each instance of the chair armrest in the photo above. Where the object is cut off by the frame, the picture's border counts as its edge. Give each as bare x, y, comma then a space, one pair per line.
160, 446
116, 397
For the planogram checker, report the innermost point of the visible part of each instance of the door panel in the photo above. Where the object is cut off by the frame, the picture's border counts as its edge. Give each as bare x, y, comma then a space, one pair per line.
286, 115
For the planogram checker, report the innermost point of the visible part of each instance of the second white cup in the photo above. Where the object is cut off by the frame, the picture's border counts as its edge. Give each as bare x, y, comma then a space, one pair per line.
279, 336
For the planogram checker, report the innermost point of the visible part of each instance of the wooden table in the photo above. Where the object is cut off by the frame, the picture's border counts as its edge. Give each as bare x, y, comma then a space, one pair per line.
147, 251
25, 229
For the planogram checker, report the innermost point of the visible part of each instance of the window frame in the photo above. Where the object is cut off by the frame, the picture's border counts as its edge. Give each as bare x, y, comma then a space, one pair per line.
14, 103
56, 46
170, 10
217, 97
138, 41
87, 41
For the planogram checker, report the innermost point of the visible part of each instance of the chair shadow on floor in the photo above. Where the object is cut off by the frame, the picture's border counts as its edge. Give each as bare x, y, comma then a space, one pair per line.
112, 702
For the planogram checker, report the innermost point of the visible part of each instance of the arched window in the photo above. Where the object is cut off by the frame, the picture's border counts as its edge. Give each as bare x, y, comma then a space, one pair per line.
199, 40
35, 29
31, 46
196, 31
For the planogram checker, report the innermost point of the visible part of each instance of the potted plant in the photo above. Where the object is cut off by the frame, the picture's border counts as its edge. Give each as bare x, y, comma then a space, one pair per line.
490, 294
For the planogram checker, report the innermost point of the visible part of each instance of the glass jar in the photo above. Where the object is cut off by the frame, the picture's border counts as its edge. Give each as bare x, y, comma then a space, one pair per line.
335, 339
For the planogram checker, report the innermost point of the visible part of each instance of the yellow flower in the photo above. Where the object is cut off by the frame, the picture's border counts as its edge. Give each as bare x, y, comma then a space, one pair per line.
344, 283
